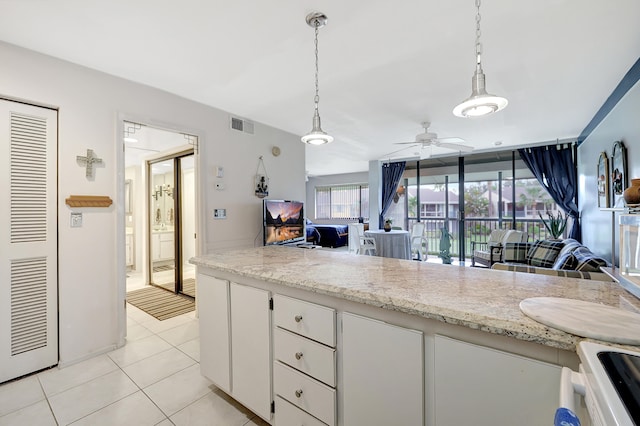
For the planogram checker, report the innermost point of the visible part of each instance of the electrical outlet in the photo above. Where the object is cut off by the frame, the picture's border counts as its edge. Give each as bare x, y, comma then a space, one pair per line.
219, 213
76, 220
219, 186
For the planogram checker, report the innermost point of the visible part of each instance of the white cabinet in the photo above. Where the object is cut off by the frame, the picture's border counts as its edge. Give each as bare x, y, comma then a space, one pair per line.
483, 386
290, 415
235, 341
215, 343
251, 348
128, 249
383, 373
304, 370
162, 247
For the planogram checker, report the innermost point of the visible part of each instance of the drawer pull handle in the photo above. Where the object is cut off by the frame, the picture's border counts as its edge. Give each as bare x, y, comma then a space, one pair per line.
298, 318
298, 355
298, 393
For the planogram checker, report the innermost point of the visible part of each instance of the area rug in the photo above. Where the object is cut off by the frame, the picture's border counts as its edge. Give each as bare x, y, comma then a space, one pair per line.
160, 304
163, 268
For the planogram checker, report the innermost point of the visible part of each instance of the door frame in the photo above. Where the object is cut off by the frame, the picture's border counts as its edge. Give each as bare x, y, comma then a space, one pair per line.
121, 287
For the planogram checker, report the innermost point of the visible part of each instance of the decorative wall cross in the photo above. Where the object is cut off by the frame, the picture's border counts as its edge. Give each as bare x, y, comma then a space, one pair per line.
89, 161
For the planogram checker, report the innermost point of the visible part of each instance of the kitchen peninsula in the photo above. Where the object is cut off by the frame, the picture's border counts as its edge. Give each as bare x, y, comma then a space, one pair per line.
328, 338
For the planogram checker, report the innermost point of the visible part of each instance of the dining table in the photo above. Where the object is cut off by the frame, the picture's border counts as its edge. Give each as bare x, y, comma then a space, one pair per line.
394, 243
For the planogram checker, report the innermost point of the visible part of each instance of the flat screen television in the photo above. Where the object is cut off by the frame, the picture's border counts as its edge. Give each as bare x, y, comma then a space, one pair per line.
283, 222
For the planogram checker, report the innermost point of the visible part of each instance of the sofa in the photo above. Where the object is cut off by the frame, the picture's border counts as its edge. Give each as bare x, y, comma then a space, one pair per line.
562, 258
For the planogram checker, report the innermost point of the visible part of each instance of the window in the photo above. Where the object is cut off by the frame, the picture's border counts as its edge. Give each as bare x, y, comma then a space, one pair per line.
342, 202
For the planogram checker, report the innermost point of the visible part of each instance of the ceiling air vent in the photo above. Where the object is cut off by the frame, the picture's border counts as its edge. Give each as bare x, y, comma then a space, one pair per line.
241, 125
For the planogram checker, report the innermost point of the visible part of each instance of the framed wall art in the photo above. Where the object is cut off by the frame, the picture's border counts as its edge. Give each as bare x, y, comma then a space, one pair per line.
619, 177
603, 181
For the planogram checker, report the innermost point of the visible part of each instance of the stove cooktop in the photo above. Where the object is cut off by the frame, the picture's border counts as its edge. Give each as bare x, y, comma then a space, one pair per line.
623, 370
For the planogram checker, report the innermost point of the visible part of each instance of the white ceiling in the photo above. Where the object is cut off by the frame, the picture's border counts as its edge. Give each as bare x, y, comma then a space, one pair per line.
385, 66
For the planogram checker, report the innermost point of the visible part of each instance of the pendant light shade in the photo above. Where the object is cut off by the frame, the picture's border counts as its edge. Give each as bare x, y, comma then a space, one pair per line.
480, 103
316, 136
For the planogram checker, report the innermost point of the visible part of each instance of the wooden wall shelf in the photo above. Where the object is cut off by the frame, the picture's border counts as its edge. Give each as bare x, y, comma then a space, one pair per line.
88, 201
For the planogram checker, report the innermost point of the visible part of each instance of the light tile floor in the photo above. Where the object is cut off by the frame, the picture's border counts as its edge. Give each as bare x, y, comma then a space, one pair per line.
153, 380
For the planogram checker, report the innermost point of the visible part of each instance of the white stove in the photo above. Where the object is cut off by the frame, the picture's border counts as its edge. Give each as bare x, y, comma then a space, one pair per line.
609, 380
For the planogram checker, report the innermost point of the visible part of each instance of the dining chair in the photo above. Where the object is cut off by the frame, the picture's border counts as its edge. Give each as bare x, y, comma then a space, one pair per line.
365, 245
418, 241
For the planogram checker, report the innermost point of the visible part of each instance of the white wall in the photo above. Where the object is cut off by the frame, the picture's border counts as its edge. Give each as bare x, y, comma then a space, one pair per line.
90, 104
623, 124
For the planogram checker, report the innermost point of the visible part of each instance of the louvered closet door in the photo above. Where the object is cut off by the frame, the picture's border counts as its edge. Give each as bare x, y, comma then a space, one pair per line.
28, 245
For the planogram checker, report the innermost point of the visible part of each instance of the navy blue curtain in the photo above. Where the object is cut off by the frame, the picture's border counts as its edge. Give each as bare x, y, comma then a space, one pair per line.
555, 169
391, 175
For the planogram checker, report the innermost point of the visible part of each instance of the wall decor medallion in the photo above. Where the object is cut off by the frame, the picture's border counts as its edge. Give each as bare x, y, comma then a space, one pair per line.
603, 181
261, 183
619, 179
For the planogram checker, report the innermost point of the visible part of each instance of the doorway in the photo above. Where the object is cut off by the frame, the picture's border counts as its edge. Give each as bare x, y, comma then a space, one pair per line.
160, 208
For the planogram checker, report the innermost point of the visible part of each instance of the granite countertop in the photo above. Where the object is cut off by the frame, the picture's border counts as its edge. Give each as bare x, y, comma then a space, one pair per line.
477, 298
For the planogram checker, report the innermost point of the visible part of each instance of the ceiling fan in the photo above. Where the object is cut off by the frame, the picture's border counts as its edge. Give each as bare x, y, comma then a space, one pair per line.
431, 139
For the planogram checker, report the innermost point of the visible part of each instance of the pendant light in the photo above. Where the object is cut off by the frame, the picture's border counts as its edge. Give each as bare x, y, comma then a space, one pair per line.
480, 103
316, 136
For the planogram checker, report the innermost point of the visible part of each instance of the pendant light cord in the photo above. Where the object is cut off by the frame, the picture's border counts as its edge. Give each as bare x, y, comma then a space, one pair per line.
316, 99
478, 33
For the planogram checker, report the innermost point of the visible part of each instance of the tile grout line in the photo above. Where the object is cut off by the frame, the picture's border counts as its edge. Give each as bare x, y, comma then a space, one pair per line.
46, 398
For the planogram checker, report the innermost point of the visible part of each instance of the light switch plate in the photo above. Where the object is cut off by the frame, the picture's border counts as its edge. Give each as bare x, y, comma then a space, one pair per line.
76, 220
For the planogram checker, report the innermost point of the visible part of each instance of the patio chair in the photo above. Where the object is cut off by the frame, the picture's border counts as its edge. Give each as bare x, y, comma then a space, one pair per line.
418, 241
488, 252
361, 244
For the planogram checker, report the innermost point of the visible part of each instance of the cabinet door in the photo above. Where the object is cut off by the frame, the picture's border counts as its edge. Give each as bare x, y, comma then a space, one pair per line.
383, 373
213, 310
129, 250
155, 246
250, 348
483, 386
167, 248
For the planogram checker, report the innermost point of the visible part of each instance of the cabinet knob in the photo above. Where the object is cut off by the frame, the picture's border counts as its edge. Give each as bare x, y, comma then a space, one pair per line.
298, 393
298, 318
298, 355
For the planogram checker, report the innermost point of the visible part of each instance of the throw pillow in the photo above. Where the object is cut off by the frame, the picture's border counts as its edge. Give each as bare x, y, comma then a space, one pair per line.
569, 246
565, 261
516, 252
587, 261
543, 253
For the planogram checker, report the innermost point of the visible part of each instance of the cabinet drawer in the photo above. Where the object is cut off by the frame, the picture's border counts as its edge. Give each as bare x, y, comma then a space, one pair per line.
306, 355
307, 319
317, 399
289, 415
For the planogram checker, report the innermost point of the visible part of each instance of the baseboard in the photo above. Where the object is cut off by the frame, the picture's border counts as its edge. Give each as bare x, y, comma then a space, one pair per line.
107, 349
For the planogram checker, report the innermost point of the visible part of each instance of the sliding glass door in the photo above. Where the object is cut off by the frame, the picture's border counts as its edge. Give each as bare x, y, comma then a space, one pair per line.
172, 223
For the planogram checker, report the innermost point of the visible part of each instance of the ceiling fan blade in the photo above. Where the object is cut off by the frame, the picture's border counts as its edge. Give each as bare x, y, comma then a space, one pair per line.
405, 143
451, 140
400, 150
456, 146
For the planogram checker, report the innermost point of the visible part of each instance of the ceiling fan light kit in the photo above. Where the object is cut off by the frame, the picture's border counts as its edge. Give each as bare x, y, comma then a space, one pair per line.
480, 103
316, 136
